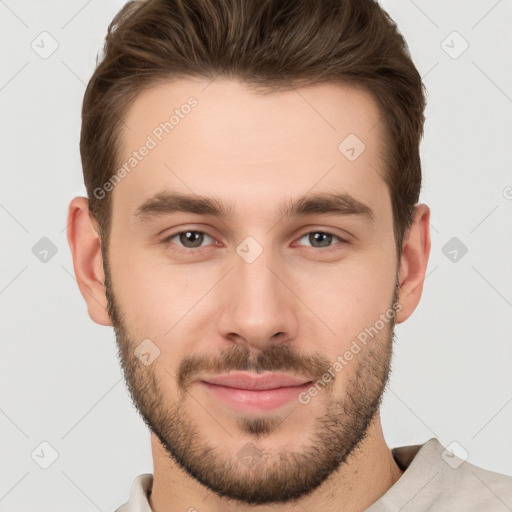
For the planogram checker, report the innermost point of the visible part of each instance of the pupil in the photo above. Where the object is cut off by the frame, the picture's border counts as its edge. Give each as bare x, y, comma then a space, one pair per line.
318, 236
192, 237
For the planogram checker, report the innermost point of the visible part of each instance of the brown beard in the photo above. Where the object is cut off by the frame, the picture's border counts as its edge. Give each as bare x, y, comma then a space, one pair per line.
268, 478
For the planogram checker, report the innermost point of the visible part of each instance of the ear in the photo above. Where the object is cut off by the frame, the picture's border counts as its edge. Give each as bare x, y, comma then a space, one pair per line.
85, 244
413, 263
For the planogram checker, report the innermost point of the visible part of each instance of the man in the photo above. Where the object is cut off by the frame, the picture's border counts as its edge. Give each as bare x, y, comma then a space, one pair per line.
253, 234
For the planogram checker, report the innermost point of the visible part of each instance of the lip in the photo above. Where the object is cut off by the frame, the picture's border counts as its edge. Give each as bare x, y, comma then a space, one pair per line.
258, 382
254, 393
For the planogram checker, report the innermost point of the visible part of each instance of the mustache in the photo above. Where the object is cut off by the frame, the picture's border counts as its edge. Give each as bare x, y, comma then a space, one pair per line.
273, 358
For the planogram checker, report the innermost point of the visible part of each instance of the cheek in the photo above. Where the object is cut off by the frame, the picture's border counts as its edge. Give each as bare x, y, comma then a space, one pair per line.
155, 295
348, 295
354, 302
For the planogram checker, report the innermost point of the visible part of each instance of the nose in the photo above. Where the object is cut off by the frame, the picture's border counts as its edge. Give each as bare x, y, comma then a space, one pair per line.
258, 308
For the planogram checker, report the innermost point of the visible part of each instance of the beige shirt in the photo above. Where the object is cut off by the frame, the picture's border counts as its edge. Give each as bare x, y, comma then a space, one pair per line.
434, 480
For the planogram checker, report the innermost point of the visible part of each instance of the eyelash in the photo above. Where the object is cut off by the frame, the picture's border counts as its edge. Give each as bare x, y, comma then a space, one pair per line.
167, 240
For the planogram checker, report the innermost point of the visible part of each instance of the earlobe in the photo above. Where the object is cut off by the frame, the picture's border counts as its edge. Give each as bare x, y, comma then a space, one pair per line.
413, 263
85, 244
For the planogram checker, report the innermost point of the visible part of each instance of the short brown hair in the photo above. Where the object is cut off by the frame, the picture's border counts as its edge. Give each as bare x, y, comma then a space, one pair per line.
271, 44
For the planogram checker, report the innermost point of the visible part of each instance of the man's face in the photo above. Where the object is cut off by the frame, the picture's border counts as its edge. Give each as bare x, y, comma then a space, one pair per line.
254, 291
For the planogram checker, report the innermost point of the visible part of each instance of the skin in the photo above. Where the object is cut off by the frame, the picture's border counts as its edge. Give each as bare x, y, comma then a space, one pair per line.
217, 312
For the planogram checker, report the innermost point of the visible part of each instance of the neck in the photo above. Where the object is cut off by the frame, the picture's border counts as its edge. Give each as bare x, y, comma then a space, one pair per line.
368, 473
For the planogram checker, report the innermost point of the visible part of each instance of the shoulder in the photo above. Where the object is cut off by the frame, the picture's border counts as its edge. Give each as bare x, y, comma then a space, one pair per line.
435, 479
476, 488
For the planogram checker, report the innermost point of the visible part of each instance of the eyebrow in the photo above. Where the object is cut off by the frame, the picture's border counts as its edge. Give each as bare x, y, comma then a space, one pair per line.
166, 203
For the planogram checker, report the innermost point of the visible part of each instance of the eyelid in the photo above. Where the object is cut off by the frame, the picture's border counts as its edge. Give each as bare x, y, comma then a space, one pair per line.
341, 234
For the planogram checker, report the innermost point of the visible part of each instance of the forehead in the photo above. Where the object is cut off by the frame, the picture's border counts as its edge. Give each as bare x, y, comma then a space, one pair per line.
224, 139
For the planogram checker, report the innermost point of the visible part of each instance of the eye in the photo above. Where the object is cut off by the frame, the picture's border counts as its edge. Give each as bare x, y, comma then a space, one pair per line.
320, 239
190, 239
193, 239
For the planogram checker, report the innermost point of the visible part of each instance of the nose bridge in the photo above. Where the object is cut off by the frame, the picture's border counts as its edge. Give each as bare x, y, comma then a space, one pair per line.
259, 305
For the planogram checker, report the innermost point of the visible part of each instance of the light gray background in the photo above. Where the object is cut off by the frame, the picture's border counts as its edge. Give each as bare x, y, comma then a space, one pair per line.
60, 380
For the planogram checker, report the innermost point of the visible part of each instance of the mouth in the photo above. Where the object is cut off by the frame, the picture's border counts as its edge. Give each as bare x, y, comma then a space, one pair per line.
254, 392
